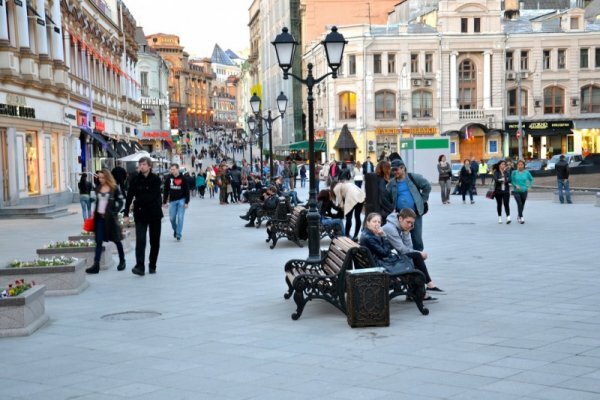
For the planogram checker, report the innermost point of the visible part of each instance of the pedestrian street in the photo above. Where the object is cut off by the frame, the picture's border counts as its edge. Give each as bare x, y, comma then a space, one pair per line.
519, 318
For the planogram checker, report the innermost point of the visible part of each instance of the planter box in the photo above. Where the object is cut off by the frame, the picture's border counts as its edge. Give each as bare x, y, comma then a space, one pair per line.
86, 253
24, 314
59, 280
127, 247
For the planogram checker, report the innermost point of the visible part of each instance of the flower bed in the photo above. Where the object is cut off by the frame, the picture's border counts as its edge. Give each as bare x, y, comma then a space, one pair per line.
61, 275
22, 314
82, 249
127, 247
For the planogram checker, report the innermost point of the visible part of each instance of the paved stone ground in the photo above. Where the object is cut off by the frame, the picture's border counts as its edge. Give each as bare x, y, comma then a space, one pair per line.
520, 319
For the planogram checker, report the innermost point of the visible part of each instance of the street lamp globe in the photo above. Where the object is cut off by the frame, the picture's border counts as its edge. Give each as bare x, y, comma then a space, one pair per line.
334, 49
285, 47
251, 123
282, 101
255, 103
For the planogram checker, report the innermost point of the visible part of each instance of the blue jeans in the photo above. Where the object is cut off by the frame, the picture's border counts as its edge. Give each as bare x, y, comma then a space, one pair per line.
563, 185
417, 234
86, 206
176, 214
286, 183
334, 222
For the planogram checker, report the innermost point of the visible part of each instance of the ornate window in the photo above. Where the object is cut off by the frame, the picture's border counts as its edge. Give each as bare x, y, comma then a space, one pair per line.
554, 100
347, 102
385, 104
467, 85
590, 99
513, 102
422, 104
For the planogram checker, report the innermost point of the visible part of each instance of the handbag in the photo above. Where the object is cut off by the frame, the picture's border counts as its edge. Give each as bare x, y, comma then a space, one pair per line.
88, 224
491, 193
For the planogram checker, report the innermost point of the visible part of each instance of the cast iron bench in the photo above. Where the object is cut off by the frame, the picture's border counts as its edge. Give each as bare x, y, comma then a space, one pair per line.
294, 228
326, 279
280, 212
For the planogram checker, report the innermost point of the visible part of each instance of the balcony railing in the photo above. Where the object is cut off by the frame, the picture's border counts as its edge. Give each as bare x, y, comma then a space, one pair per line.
471, 114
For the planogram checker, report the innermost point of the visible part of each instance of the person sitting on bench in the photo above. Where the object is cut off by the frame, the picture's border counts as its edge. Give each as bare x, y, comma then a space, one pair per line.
270, 203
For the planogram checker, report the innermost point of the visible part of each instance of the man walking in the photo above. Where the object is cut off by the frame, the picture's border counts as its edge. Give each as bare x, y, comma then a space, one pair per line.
293, 174
411, 191
474, 173
177, 194
145, 189
562, 180
368, 167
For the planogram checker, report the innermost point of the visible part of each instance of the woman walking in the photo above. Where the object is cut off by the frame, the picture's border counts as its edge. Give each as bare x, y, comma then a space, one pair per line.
444, 178
109, 201
358, 174
350, 198
502, 189
466, 180
85, 190
522, 181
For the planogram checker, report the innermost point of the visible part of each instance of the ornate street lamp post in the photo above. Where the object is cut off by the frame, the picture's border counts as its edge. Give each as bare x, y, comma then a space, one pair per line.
259, 135
285, 47
255, 102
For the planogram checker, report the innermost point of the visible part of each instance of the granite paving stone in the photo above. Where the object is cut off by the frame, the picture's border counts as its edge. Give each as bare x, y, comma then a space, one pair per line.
519, 318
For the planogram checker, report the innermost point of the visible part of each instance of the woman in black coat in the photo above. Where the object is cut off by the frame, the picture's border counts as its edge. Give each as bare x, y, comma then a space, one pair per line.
109, 201
501, 177
466, 180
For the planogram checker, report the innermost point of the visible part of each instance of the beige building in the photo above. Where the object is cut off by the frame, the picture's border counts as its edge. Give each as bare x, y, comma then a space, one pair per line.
69, 95
453, 68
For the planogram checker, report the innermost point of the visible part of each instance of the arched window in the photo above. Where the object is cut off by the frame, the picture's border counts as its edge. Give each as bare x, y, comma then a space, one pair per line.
347, 102
554, 100
467, 85
590, 99
513, 102
385, 104
422, 104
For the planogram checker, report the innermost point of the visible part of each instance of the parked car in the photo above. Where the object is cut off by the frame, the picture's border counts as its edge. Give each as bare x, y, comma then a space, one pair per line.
456, 167
536, 165
591, 159
573, 160
491, 162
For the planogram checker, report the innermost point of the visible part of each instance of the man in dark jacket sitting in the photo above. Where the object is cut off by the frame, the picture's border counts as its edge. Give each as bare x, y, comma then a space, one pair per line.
270, 203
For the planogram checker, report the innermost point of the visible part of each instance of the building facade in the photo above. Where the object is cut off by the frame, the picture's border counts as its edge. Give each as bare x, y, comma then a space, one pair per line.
69, 95
440, 73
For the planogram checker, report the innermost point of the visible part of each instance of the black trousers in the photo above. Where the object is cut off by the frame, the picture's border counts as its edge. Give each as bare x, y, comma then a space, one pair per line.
140, 242
237, 190
420, 264
503, 198
520, 198
356, 211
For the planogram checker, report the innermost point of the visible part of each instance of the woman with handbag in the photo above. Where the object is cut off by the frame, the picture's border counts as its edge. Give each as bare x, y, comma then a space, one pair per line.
521, 180
501, 179
109, 201
466, 180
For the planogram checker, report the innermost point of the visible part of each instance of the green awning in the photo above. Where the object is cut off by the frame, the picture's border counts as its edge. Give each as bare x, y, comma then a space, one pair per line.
320, 145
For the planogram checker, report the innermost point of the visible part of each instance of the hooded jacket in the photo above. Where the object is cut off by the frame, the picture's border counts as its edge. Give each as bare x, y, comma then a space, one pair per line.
400, 240
419, 190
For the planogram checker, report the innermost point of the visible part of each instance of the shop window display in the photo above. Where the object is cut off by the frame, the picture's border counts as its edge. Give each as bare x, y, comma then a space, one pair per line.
31, 152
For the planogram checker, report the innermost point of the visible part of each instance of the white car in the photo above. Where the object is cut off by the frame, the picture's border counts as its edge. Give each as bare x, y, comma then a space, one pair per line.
573, 160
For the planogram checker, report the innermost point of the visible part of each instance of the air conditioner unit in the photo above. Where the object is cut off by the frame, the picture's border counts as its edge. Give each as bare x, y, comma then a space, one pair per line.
524, 74
537, 103
510, 76
428, 82
416, 82
404, 116
371, 148
574, 102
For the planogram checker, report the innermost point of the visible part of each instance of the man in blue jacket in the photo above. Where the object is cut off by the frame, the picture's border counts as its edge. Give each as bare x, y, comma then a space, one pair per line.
406, 190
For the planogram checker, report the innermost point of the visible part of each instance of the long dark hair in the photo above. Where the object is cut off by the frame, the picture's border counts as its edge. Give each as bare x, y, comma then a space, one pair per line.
83, 184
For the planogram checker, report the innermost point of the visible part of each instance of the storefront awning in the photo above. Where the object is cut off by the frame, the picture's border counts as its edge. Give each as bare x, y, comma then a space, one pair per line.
100, 139
590, 123
122, 148
320, 145
345, 141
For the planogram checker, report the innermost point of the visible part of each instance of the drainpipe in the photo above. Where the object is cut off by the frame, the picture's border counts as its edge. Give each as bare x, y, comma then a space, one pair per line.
364, 119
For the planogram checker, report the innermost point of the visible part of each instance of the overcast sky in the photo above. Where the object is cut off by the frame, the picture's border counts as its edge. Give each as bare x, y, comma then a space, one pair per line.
199, 23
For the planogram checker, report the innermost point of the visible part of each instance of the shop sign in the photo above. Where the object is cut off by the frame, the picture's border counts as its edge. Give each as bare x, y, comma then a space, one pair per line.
387, 131
320, 134
70, 116
99, 124
541, 127
17, 111
155, 135
148, 102
82, 118
423, 130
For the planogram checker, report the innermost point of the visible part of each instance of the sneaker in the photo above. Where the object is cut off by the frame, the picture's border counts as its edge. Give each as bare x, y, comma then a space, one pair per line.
508, 220
499, 220
522, 221
178, 238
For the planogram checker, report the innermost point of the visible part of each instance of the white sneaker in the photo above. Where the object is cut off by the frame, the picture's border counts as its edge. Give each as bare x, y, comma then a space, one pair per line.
522, 221
499, 220
508, 219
